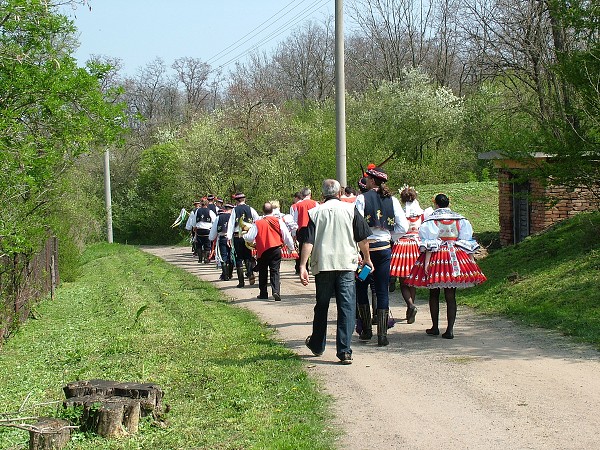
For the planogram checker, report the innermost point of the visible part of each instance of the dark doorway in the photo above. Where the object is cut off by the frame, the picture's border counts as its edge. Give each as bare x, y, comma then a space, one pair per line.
520, 203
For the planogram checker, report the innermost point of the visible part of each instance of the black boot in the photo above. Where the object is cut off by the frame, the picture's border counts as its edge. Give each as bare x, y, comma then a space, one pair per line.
224, 272
382, 322
229, 270
240, 274
250, 268
364, 313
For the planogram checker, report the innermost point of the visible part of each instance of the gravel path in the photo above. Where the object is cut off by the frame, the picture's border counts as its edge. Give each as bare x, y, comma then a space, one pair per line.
497, 385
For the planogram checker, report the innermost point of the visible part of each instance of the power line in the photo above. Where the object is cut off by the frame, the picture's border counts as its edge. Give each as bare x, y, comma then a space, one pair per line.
282, 29
254, 32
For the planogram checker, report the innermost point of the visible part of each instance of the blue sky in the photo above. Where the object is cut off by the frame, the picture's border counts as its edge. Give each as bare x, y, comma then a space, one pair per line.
216, 31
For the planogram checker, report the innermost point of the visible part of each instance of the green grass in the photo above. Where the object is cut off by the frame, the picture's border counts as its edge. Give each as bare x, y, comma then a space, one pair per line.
477, 201
133, 317
550, 280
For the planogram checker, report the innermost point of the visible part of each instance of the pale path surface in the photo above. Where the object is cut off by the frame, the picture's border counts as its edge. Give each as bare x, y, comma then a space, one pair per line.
497, 385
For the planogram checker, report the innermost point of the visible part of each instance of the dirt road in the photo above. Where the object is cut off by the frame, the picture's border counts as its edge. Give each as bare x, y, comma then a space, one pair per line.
497, 385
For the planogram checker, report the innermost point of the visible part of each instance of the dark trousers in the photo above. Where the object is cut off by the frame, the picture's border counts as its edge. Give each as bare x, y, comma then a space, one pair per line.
380, 277
202, 242
224, 249
268, 264
242, 253
341, 285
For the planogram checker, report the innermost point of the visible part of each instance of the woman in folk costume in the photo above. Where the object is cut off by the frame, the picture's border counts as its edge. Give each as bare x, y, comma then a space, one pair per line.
446, 261
387, 222
405, 251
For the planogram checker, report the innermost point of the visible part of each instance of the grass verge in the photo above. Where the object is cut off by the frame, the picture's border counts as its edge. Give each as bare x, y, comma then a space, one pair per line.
133, 317
549, 280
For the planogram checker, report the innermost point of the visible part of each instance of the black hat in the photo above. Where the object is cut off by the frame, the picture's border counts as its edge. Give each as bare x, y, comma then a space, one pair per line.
210, 197
238, 196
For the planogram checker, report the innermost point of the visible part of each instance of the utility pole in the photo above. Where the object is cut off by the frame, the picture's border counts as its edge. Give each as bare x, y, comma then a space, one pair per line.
340, 95
107, 198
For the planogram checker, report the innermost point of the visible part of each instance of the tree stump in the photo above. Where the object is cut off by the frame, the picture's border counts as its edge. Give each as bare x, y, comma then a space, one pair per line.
49, 434
113, 409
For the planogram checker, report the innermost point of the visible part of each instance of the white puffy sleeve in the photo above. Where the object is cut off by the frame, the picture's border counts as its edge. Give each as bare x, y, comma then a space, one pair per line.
465, 237
428, 235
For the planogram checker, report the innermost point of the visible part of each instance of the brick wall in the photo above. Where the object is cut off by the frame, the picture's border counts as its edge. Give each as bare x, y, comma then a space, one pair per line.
544, 211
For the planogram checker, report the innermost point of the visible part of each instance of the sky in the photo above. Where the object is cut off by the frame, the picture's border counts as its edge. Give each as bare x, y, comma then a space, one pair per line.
215, 31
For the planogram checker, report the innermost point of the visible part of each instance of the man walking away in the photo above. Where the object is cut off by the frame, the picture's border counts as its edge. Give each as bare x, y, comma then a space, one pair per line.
333, 230
269, 233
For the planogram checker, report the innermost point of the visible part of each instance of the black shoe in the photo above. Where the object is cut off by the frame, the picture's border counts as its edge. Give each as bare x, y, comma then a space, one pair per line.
346, 358
432, 331
262, 297
448, 335
313, 352
276, 296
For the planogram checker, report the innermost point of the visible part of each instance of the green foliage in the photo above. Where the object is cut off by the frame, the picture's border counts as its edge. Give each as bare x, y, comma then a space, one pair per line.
410, 118
574, 138
227, 381
51, 111
147, 214
549, 280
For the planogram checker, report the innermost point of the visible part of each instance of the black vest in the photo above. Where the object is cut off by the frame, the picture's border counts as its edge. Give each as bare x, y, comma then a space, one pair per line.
244, 212
379, 212
212, 207
203, 215
222, 221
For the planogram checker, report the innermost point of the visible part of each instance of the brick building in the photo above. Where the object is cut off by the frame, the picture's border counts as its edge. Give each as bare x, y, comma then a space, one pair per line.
527, 207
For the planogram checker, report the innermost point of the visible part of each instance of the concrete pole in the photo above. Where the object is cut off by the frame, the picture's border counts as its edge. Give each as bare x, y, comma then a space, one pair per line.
107, 198
340, 95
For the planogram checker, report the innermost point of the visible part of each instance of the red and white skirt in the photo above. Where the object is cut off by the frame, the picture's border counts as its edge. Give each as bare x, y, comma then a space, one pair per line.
449, 267
405, 253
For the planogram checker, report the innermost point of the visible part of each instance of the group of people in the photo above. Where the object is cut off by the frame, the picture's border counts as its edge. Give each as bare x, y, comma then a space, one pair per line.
233, 236
395, 239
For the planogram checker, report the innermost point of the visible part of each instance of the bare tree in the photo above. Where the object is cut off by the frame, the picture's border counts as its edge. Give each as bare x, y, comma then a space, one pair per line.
305, 62
193, 74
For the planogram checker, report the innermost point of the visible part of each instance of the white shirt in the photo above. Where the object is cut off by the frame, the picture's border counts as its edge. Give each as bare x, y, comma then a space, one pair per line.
285, 234
233, 227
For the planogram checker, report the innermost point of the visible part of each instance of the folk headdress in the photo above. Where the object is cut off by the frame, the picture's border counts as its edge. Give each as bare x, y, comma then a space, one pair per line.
377, 172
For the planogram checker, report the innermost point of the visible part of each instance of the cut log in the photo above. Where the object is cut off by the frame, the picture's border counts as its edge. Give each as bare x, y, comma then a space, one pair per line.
90, 387
113, 409
49, 433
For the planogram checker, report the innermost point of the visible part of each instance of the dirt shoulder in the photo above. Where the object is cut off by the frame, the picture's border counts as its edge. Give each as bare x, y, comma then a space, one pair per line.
497, 385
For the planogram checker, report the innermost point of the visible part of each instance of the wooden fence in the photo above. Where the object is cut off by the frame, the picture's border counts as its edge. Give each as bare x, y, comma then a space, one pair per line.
24, 280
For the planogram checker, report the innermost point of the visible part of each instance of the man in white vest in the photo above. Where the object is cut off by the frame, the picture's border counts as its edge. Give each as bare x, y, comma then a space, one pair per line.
333, 232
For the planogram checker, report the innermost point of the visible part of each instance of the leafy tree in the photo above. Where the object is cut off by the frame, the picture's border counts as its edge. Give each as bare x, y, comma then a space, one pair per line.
51, 112
575, 138
412, 126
